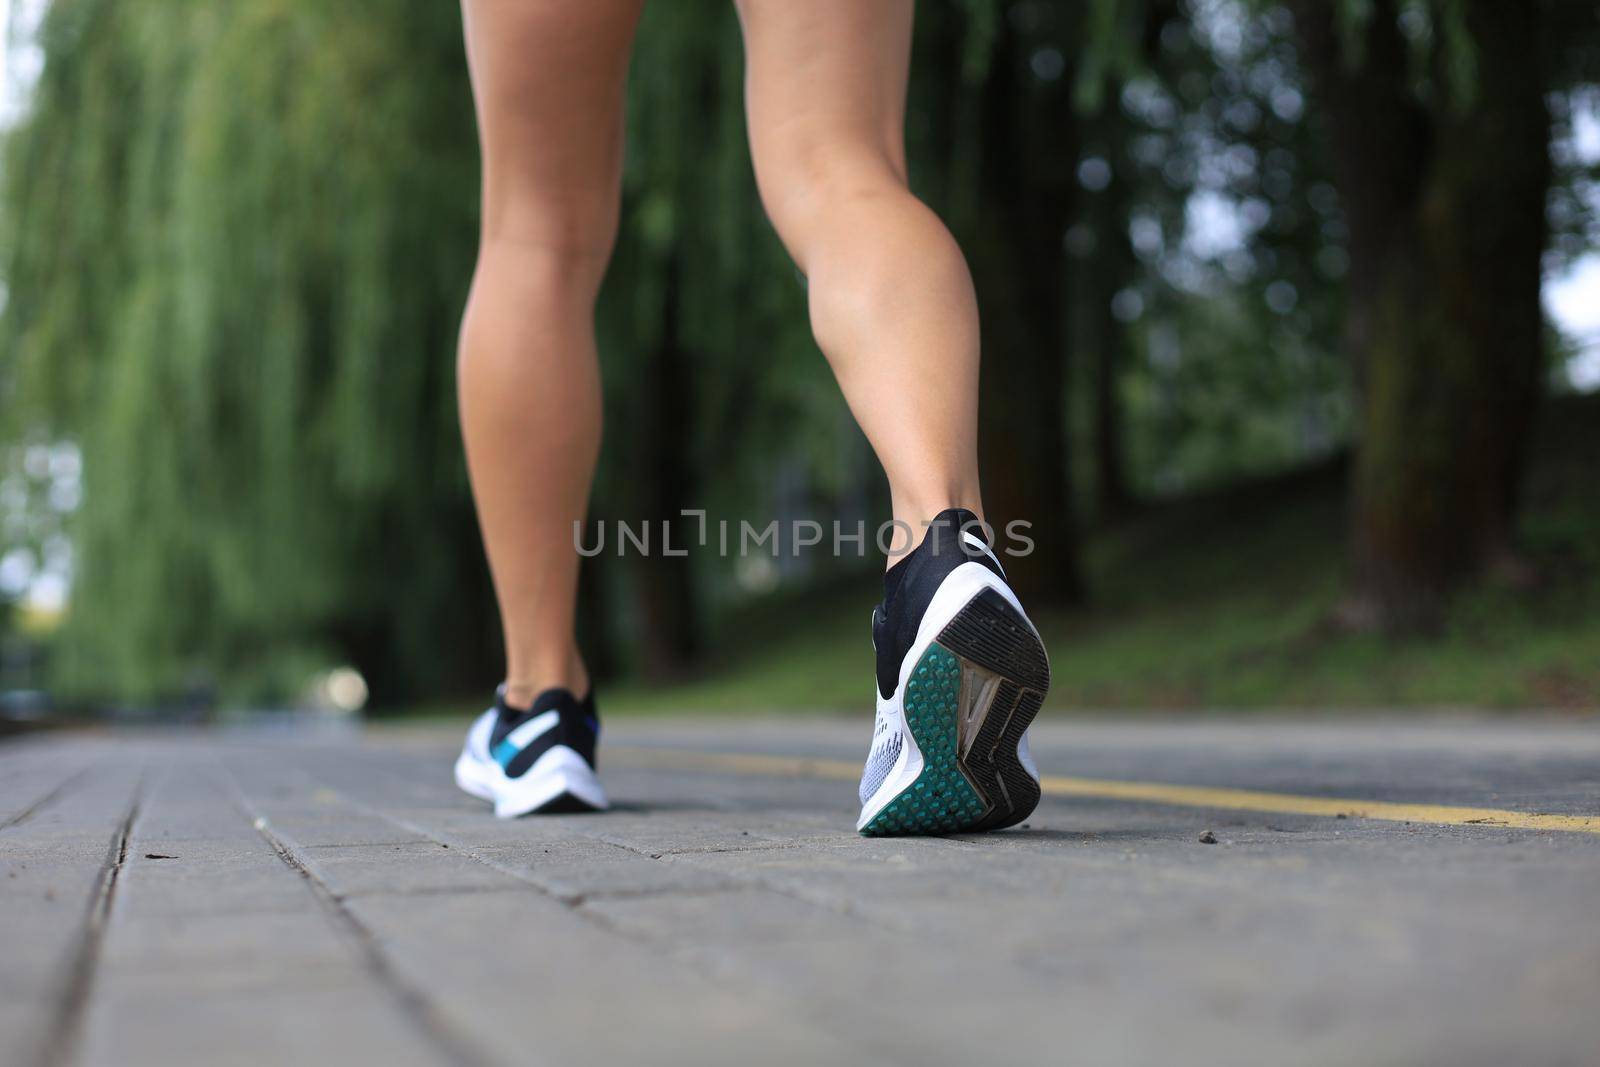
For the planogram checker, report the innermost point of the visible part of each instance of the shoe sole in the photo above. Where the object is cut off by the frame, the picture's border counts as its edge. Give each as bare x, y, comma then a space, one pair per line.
565, 804
472, 779
554, 792
968, 702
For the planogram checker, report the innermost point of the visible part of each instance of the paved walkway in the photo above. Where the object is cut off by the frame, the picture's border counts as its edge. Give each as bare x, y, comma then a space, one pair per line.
306, 898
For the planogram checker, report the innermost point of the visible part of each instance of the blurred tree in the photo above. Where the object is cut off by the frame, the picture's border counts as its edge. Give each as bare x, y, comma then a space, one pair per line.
712, 378
1027, 140
237, 242
653, 368
1107, 268
1241, 250
1440, 136
1102, 253
994, 143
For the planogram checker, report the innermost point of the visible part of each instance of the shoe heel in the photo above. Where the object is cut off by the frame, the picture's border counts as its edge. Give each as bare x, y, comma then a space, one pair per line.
990, 636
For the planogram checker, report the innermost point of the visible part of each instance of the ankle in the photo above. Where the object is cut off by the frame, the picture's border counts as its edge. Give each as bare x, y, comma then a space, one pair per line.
526, 683
915, 516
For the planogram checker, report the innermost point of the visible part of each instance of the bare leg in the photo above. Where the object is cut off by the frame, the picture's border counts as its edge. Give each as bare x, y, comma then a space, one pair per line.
892, 304
548, 77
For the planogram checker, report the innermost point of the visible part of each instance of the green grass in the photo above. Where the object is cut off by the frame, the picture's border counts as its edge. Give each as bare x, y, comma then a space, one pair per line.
1225, 601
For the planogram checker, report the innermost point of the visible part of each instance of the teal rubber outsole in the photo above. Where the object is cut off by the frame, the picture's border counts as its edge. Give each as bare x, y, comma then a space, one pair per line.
941, 800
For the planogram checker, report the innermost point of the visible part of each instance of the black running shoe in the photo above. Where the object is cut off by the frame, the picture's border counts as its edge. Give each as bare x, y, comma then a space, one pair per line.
538, 760
961, 674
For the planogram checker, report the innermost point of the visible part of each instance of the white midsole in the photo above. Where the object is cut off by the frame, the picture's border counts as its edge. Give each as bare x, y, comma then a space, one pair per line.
473, 777
559, 770
953, 594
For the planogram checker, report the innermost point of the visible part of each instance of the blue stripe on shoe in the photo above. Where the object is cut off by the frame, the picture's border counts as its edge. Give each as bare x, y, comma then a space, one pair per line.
524, 735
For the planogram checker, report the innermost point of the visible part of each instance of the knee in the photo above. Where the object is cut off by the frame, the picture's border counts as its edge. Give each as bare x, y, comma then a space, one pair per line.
559, 239
807, 186
547, 261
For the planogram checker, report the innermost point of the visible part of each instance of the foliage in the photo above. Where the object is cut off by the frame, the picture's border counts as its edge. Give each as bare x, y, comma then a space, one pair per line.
240, 236
1234, 306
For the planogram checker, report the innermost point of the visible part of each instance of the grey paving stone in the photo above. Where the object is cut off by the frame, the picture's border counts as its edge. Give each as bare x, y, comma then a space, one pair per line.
342, 829
218, 950
472, 826
735, 918
51, 868
424, 867
202, 877
587, 993
29, 785
611, 872
215, 953
352, 1023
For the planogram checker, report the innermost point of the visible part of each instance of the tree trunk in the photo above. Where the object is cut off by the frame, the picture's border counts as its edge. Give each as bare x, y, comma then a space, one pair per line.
1025, 187
1111, 484
1111, 267
667, 596
1446, 209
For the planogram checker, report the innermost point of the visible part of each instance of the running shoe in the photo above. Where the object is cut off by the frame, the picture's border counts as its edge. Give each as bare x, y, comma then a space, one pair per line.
961, 675
539, 760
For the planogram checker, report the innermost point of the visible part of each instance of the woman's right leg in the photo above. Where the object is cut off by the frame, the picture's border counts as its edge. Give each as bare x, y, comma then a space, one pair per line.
548, 79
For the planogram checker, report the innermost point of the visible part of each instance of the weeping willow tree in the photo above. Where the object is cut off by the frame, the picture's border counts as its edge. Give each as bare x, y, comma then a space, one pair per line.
237, 241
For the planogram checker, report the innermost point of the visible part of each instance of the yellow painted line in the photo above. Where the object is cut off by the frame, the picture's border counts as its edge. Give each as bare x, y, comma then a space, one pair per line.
1183, 796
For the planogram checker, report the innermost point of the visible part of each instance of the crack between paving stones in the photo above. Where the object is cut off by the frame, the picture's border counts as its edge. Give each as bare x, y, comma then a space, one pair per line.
577, 903
369, 844
601, 896
65, 1030
471, 853
430, 891
823, 900
414, 1004
571, 901
707, 850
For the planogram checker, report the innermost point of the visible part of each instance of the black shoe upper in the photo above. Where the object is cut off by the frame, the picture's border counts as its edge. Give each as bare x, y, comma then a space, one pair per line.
577, 726
909, 586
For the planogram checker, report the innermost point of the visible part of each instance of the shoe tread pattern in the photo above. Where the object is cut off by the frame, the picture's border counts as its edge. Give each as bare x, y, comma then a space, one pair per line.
940, 800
